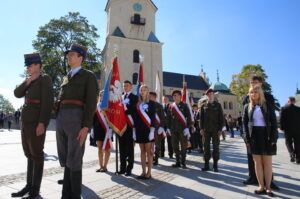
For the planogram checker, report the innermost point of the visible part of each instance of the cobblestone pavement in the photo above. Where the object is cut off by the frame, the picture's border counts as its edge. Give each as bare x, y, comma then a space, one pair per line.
166, 182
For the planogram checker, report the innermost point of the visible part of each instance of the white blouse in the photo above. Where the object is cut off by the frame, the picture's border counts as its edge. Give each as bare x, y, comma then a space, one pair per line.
258, 117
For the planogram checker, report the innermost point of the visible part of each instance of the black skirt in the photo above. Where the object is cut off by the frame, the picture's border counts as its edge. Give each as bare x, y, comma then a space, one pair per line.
99, 131
260, 144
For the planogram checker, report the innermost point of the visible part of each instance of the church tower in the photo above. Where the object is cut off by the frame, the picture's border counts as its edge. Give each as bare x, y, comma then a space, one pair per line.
131, 27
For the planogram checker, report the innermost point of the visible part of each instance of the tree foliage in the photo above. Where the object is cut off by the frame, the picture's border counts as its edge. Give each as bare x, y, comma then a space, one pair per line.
54, 38
5, 105
240, 82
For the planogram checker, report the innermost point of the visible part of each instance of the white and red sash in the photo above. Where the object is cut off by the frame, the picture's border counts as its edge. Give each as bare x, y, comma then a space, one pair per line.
146, 119
157, 120
179, 114
107, 143
129, 119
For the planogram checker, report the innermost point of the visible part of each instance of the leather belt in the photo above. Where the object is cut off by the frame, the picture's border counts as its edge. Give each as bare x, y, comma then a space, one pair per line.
77, 102
32, 101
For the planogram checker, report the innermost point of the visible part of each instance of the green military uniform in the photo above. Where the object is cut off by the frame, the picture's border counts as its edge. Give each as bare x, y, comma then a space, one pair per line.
37, 109
77, 105
177, 128
211, 121
158, 138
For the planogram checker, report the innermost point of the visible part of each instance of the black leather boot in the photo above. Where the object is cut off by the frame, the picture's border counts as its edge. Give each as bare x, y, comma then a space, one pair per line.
36, 181
66, 190
28, 185
76, 181
206, 166
155, 162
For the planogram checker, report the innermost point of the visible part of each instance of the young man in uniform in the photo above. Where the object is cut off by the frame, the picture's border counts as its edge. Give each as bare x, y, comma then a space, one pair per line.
166, 107
126, 140
211, 124
159, 126
76, 109
38, 92
179, 119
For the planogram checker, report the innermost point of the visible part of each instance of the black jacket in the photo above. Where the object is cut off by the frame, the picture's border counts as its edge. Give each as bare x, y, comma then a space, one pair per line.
290, 118
270, 120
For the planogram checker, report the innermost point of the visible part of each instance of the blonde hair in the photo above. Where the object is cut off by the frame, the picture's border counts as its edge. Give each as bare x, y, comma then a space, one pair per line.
261, 99
147, 96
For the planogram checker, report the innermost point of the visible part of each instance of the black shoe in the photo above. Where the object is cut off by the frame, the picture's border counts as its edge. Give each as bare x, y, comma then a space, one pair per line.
176, 165
270, 193
33, 193
216, 169
274, 186
184, 166
21, 193
260, 192
216, 166
121, 172
128, 173
155, 162
293, 159
250, 181
60, 181
298, 161
171, 157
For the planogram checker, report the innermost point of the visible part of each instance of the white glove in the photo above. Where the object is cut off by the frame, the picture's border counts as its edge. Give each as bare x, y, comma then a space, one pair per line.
151, 135
134, 134
160, 130
169, 132
186, 133
193, 129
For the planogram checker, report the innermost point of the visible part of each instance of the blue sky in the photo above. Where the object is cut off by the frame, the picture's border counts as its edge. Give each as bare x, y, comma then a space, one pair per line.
220, 34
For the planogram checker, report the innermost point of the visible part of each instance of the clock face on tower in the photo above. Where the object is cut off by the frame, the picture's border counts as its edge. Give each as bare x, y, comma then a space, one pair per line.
137, 7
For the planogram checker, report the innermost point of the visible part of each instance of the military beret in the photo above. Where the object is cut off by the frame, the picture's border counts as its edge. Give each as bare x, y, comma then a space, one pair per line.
77, 48
176, 91
208, 91
32, 58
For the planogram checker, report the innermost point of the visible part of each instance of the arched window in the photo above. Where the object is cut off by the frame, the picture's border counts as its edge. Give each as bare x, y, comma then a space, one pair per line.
134, 78
225, 105
136, 56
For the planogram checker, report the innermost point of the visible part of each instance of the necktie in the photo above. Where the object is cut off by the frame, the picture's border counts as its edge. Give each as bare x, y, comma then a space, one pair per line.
126, 95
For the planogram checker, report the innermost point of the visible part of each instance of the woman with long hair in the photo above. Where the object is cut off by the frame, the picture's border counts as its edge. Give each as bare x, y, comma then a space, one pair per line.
100, 128
260, 126
145, 126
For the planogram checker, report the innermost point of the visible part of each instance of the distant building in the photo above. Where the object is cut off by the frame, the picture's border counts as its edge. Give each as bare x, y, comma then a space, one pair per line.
297, 97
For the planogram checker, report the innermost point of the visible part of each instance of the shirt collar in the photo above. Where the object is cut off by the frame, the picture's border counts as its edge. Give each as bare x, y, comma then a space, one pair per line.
75, 70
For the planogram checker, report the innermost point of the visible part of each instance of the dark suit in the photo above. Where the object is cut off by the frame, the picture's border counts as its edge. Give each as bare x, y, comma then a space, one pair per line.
290, 124
126, 146
169, 138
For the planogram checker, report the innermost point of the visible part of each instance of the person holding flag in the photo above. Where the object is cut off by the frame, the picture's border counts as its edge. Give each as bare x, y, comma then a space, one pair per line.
102, 136
144, 121
126, 140
179, 119
159, 127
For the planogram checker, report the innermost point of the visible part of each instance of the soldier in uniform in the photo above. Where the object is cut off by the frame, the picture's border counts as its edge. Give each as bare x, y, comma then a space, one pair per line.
166, 107
159, 133
76, 108
126, 140
211, 124
179, 119
38, 92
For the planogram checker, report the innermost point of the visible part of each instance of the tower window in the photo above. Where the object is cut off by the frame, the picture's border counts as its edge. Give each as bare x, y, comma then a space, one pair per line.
134, 78
225, 105
136, 56
230, 106
137, 20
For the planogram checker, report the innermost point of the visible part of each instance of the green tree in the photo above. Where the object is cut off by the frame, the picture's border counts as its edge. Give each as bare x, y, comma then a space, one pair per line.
5, 105
54, 38
240, 82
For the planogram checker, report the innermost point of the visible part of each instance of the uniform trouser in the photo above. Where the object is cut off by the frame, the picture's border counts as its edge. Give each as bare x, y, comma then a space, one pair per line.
197, 139
290, 143
126, 148
208, 136
180, 153
158, 140
162, 148
70, 153
170, 146
33, 147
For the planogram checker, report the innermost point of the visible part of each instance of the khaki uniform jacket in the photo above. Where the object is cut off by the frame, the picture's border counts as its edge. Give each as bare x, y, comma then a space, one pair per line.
40, 89
174, 123
82, 86
211, 117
